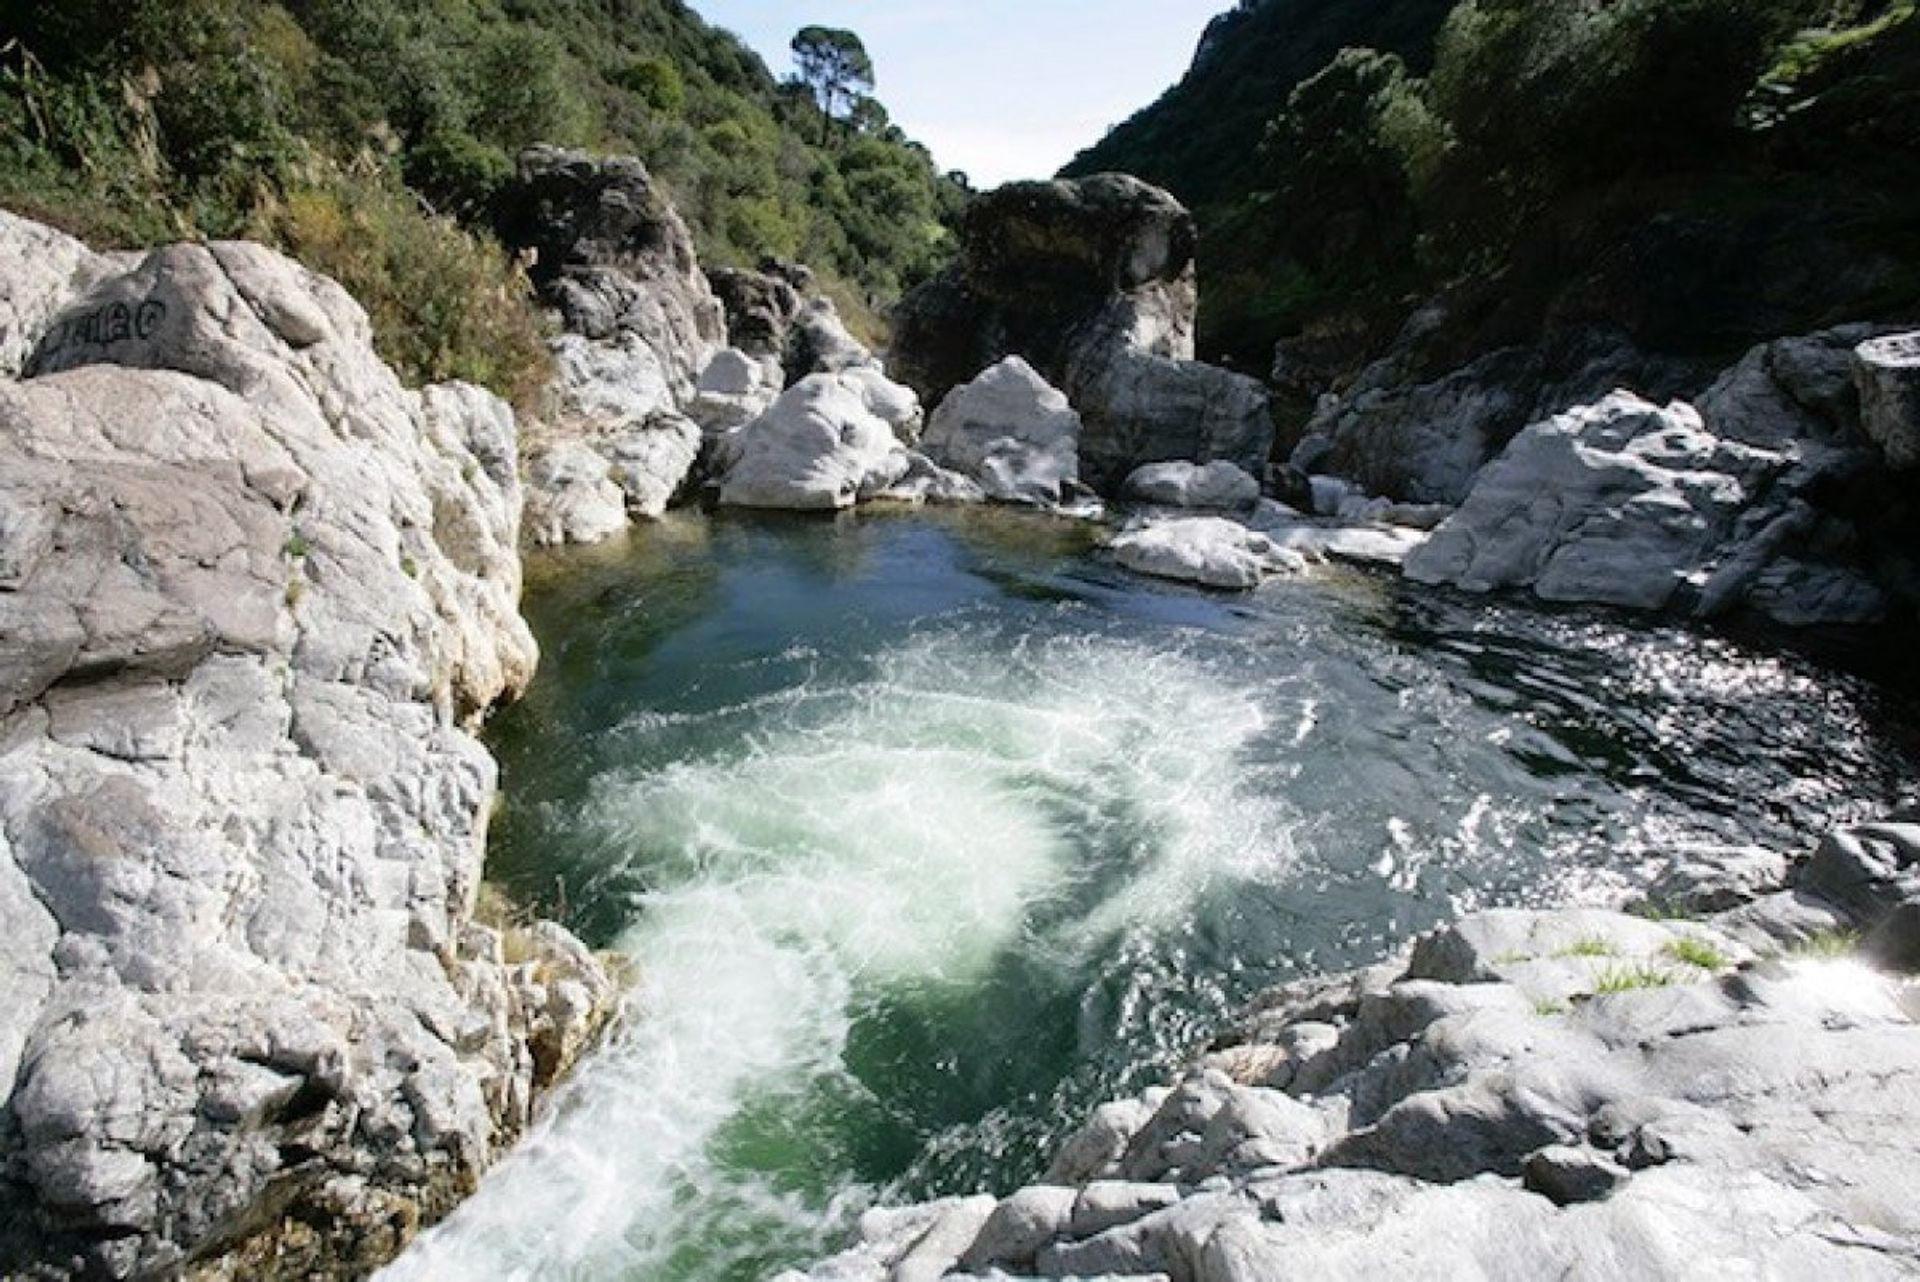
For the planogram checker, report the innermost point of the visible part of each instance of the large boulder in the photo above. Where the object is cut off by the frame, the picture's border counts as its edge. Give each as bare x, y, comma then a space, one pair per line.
253, 595
1011, 431
45, 270
1092, 282
1622, 502
761, 307
830, 441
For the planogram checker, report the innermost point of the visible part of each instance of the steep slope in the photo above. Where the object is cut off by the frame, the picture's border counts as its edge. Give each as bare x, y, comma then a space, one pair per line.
1196, 140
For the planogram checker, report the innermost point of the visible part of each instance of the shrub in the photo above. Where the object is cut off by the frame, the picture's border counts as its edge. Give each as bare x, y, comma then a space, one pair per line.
445, 303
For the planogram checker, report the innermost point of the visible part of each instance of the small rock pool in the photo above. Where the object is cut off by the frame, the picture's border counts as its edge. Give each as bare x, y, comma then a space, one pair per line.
927, 832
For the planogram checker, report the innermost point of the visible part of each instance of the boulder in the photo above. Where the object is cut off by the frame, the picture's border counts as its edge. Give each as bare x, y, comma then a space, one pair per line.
1208, 550
826, 444
1621, 502
1888, 370
46, 270
1091, 281
735, 389
612, 256
1210, 485
820, 343
254, 594
1011, 432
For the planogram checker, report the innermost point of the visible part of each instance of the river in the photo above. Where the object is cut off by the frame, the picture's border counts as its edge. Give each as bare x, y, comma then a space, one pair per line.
926, 833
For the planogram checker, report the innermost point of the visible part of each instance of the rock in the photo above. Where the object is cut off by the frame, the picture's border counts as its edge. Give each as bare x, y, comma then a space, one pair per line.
1212, 485
256, 594
1207, 550
823, 445
572, 496
1894, 944
1011, 432
613, 256
1019, 1227
1404, 431
1888, 370
1364, 544
1566, 1175
761, 308
1620, 502
1711, 879
735, 389
46, 270
927, 482
1868, 871
652, 462
1091, 281
820, 343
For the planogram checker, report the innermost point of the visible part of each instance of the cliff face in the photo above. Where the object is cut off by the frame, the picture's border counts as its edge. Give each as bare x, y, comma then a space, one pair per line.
254, 594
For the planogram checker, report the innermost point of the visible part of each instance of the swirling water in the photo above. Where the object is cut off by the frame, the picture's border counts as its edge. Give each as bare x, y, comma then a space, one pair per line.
926, 833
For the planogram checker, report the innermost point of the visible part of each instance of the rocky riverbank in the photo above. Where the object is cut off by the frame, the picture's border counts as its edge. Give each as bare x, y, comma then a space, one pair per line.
1572, 1093
254, 597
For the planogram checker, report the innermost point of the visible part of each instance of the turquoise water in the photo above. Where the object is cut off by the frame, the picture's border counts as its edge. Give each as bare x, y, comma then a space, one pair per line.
928, 832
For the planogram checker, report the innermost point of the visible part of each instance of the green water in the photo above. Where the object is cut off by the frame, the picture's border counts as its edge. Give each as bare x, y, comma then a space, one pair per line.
928, 832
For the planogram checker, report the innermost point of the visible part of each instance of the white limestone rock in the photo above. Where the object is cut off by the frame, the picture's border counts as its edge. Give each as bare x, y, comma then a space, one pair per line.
735, 389
1621, 502
1218, 485
571, 495
253, 594
1208, 550
1888, 372
1012, 432
45, 270
824, 445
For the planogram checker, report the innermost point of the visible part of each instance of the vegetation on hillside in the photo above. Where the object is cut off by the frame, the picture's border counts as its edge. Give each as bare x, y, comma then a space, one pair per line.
1700, 172
369, 138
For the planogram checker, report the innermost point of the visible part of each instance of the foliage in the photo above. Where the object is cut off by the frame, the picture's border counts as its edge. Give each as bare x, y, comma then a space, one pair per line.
1529, 159
135, 121
1627, 979
835, 66
1697, 952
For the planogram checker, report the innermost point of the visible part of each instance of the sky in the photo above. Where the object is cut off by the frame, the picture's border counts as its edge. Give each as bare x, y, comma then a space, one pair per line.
1001, 89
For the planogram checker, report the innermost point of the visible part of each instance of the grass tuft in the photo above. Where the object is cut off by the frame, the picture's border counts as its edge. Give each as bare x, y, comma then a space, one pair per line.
1697, 952
1627, 979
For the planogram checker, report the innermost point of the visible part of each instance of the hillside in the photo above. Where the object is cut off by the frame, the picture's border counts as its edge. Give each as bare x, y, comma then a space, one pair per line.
369, 137
1196, 139
1697, 175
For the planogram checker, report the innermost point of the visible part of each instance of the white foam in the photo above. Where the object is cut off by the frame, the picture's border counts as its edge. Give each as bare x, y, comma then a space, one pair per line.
907, 828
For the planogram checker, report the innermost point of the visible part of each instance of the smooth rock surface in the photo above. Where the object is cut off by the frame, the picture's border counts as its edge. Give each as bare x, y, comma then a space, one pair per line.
1207, 550
1621, 502
1219, 485
253, 592
828, 442
1011, 432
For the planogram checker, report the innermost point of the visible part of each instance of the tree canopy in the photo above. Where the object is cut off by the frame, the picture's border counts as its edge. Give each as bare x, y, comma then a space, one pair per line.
835, 65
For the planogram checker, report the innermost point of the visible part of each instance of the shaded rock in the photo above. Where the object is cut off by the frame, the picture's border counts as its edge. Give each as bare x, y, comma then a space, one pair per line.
1711, 879
927, 482
46, 271
820, 343
1888, 370
1011, 432
1218, 485
1867, 871
1207, 550
760, 307
1565, 1175
1019, 1227
612, 255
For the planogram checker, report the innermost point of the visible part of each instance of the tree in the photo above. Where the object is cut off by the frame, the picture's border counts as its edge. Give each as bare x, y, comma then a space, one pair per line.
833, 64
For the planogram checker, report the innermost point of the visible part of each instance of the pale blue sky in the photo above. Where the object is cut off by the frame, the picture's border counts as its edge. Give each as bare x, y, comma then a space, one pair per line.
1003, 89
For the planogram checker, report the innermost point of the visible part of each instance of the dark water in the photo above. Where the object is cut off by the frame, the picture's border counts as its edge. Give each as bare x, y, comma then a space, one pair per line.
929, 832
